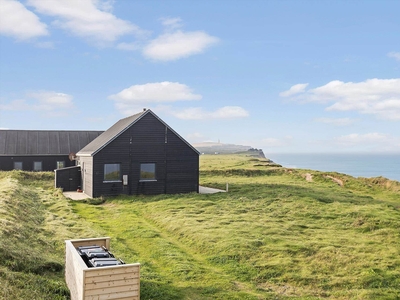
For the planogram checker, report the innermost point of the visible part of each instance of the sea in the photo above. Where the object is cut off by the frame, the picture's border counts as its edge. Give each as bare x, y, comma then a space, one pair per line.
354, 164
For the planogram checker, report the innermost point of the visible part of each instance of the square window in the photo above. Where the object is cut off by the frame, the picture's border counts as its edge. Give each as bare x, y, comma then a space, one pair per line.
17, 165
148, 171
37, 166
112, 172
60, 164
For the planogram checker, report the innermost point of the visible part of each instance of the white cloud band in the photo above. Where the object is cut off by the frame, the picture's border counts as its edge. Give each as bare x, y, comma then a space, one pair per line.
179, 44
379, 97
41, 101
155, 93
86, 18
17, 21
197, 113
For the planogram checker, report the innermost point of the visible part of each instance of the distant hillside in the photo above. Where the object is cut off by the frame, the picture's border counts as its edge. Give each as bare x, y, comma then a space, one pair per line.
219, 148
211, 148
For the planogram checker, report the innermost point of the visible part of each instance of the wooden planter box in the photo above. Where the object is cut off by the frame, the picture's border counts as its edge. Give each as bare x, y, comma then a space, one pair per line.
112, 282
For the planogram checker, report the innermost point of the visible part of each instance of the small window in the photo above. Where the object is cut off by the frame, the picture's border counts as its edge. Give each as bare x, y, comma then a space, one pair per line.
60, 164
17, 165
147, 171
112, 172
37, 166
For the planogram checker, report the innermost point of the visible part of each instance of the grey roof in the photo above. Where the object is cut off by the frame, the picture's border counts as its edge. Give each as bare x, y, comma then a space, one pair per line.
117, 129
44, 142
109, 135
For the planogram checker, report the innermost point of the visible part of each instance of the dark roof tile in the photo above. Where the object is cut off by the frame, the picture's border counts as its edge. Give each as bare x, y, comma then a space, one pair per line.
44, 142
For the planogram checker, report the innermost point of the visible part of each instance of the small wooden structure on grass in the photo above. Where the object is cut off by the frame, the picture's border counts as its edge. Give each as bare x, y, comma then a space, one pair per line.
111, 282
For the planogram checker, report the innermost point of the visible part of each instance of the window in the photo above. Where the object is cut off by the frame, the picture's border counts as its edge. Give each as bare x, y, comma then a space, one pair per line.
60, 164
147, 171
17, 165
112, 172
37, 166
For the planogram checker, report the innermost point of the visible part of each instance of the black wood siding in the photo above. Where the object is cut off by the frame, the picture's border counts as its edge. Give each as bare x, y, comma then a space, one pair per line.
148, 141
49, 162
68, 179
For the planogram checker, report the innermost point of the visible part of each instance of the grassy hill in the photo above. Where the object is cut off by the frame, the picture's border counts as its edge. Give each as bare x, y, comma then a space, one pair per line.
277, 234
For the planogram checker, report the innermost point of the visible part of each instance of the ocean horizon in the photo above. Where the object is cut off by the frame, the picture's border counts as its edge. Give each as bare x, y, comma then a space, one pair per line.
353, 164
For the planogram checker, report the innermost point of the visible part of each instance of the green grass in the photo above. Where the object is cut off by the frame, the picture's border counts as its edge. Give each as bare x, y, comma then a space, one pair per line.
35, 220
274, 235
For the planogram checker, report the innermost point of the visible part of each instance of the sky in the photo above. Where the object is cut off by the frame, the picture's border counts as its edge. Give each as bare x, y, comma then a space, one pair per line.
282, 76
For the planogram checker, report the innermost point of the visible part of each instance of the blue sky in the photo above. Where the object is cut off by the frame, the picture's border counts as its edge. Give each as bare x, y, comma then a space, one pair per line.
284, 76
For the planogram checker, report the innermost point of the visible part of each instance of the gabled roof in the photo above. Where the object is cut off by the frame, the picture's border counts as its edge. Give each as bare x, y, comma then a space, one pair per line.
43, 142
116, 130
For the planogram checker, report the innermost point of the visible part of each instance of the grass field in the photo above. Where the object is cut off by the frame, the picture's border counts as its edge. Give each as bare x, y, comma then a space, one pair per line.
274, 235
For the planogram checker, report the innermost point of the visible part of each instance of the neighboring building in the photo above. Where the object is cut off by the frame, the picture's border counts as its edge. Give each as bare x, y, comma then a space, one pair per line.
41, 150
140, 154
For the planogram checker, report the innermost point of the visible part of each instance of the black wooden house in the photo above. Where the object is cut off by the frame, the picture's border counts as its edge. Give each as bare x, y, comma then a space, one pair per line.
140, 154
41, 150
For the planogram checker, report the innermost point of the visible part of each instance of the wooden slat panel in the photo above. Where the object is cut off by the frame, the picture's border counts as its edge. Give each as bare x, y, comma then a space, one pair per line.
112, 290
130, 298
105, 241
113, 282
112, 270
122, 295
109, 277
74, 271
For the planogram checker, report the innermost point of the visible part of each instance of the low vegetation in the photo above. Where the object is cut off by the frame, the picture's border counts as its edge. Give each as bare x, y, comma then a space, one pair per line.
274, 235
35, 219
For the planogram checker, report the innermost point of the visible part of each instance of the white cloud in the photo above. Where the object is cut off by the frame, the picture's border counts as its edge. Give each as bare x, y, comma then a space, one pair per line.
395, 55
45, 101
52, 99
296, 89
171, 23
370, 141
17, 21
175, 44
379, 97
336, 122
197, 113
155, 93
87, 18
133, 99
